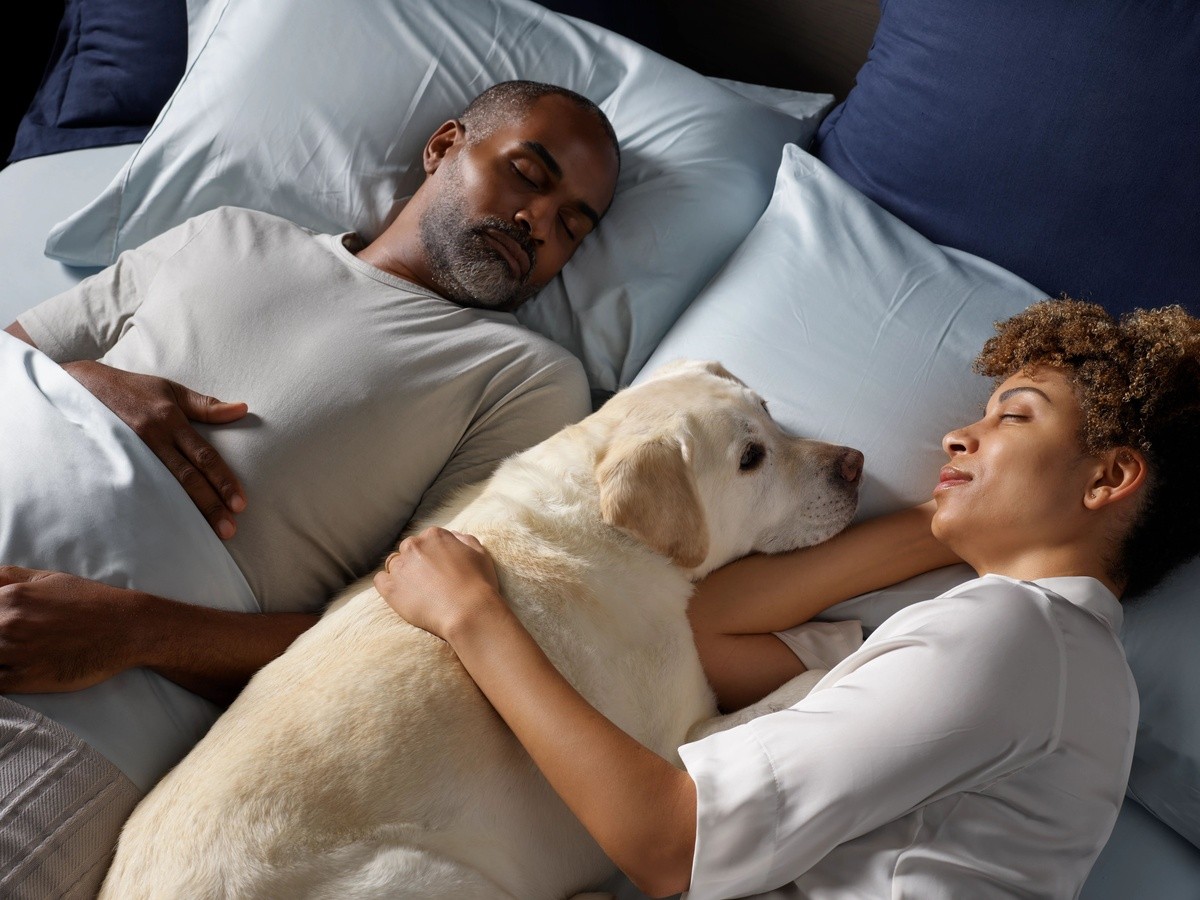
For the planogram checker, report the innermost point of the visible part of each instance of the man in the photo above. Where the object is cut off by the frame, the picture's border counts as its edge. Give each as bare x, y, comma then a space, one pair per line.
372, 380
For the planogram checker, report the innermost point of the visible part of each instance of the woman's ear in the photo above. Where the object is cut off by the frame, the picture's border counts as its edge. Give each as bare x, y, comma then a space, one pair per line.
1120, 475
439, 144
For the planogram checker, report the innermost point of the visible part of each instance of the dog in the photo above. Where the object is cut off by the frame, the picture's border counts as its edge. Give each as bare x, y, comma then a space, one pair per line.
364, 762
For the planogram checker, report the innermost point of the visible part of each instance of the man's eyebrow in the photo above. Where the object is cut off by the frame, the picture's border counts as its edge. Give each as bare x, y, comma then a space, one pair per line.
1022, 389
539, 149
546, 156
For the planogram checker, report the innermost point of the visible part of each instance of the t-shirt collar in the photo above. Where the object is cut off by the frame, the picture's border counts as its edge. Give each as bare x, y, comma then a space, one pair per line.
1090, 594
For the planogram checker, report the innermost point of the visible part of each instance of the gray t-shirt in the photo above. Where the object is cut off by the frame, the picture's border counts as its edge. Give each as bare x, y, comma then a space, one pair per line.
369, 396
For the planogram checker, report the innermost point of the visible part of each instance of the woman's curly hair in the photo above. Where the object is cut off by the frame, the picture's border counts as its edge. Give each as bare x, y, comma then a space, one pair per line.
1137, 379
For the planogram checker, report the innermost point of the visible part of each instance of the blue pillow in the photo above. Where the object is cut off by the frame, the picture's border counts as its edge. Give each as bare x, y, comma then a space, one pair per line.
1055, 138
113, 66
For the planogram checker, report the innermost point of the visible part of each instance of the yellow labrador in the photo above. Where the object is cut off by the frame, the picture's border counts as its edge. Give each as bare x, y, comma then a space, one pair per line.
365, 763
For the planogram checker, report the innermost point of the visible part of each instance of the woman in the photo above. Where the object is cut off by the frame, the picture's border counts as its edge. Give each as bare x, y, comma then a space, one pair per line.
977, 744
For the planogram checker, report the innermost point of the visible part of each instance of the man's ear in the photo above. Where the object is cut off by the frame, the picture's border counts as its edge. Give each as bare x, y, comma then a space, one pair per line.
448, 135
1121, 474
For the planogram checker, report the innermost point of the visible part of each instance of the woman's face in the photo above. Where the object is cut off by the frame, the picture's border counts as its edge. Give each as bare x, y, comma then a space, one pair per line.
1015, 481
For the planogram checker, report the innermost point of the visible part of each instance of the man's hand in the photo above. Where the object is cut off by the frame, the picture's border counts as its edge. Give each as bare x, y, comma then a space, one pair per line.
59, 632
159, 411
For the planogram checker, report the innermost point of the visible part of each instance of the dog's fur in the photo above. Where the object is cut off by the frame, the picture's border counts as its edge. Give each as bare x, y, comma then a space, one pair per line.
364, 762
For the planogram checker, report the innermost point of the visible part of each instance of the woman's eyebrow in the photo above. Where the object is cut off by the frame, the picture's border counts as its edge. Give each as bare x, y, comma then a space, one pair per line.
1024, 388
539, 150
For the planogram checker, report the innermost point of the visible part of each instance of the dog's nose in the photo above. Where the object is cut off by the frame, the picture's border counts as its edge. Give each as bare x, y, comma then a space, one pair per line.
850, 464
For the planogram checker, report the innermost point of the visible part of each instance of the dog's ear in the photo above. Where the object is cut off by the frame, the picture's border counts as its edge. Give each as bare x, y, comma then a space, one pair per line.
648, 489
682, 364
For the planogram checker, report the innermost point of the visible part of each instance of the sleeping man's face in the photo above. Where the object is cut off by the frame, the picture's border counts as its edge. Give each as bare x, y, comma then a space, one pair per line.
511, 207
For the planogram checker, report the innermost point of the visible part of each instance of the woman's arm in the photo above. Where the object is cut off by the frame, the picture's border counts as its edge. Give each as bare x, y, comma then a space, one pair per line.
735, 609
638, 807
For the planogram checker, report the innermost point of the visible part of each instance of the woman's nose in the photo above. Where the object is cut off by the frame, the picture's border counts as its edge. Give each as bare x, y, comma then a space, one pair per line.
960, 440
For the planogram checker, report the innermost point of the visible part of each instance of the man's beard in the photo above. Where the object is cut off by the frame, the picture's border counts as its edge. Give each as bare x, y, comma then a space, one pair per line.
463, 264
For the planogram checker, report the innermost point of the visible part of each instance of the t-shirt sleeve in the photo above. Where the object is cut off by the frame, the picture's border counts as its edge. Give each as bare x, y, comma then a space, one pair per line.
85, 321
553, 396
950, 695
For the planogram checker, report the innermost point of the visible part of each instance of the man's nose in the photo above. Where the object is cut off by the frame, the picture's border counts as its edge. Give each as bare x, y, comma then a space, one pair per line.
532, 220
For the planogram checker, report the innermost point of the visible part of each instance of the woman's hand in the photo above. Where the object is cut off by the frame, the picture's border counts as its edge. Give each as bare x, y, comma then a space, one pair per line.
640, 808
438, 580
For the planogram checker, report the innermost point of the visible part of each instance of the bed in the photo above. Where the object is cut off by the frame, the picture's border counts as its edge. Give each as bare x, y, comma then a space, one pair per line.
834, 199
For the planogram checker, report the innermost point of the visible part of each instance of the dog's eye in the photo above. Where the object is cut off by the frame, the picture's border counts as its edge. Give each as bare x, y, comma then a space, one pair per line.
752, 457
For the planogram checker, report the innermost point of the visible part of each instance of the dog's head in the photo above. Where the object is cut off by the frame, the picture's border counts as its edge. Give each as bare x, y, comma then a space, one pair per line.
696, 468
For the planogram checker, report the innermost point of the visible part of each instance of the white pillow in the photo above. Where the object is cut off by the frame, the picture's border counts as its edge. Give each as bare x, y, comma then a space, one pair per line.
318, 111
856, 328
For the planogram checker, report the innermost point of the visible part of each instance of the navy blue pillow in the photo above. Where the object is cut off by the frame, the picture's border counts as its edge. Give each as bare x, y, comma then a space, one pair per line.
1057, 138
113, 66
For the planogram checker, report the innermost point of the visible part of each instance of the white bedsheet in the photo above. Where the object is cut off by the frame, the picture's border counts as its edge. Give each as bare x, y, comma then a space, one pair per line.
80, 493
35, 194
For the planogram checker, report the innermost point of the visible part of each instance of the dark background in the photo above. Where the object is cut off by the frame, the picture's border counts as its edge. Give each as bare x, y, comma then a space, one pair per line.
715, 37
25, 50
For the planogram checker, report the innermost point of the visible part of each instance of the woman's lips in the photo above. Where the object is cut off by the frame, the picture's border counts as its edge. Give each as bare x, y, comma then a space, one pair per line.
951, 477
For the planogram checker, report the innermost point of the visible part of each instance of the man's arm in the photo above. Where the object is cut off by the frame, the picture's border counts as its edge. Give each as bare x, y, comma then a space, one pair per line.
20, 333
59, 632
735, 609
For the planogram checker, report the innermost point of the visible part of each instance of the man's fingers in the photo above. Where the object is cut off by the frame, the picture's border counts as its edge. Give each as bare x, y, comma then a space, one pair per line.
203, 408
204, 457
201, 490
16, 574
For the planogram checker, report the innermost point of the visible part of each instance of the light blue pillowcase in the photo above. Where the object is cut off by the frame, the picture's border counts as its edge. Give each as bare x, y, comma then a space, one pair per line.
1160, 641
856, 328
318, 112
860, 331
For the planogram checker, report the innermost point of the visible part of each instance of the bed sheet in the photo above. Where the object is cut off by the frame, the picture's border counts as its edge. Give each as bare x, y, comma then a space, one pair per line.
80, 493
77, 487
36, 194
